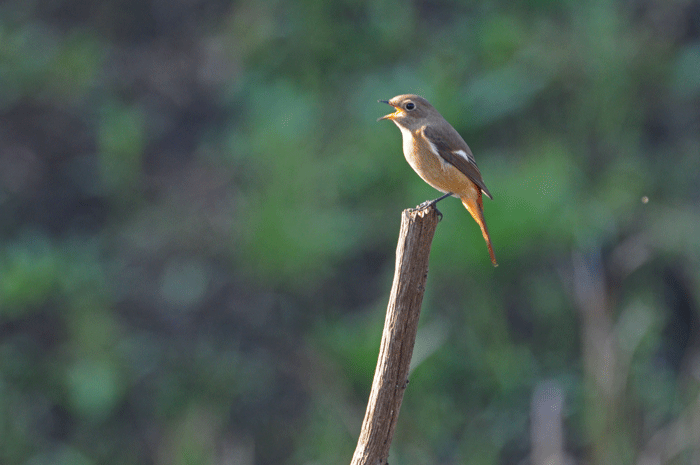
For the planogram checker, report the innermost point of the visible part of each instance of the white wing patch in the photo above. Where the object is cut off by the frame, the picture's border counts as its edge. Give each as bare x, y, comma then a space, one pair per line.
463, 154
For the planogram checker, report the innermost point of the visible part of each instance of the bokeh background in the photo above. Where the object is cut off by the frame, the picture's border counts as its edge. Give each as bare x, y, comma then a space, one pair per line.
199, 213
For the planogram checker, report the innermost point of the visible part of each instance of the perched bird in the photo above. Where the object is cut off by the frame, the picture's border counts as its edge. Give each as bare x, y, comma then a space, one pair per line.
439, 155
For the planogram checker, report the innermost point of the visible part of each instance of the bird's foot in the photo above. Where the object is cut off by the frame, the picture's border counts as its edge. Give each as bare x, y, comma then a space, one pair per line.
426, 205
439, 214
430, 203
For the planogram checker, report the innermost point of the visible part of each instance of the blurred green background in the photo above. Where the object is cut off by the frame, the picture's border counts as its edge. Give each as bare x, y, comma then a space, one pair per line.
199, 213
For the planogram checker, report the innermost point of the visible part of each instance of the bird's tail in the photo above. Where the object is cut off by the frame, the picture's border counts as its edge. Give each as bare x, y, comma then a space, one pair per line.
476, 209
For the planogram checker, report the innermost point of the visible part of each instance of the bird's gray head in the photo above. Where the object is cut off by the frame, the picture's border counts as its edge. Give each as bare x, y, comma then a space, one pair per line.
412, 111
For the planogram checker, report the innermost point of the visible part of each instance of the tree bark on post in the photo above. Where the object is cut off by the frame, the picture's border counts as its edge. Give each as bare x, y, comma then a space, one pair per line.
399, 336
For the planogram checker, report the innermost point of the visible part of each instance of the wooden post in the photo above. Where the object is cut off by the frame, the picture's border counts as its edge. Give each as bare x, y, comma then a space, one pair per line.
398, 338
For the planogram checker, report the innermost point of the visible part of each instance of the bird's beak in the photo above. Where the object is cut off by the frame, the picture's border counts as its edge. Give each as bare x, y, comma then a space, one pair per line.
390, 115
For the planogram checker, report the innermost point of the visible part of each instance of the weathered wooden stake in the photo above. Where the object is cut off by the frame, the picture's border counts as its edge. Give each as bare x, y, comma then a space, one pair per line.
398, 338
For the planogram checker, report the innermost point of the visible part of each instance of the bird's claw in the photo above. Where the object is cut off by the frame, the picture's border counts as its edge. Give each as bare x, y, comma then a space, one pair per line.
427, 204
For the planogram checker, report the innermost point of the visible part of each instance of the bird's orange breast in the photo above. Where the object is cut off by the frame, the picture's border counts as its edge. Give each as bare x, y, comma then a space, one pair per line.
432, 168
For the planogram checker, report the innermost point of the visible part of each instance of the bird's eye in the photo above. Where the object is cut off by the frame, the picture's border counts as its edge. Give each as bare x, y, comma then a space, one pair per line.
410, 106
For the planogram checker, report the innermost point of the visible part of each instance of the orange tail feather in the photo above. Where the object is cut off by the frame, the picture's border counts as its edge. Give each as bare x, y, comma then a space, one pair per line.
476, 209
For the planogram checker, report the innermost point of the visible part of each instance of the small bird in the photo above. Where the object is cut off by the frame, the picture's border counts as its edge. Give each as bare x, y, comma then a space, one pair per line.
439, 155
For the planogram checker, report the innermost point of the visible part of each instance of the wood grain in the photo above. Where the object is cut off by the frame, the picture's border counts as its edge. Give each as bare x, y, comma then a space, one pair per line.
399, 336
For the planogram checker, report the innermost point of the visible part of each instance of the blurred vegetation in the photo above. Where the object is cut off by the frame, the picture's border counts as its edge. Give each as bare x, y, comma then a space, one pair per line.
198, 215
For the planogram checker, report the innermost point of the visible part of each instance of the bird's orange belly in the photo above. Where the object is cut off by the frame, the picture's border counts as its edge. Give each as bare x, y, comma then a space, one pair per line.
437, 172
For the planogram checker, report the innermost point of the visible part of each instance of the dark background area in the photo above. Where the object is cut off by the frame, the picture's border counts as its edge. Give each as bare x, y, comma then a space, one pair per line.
199, 213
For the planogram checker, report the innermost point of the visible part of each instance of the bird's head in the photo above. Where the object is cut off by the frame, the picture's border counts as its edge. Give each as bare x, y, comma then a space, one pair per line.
412, 111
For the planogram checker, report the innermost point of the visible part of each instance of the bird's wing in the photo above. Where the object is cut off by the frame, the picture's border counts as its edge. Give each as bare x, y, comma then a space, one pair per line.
462, 159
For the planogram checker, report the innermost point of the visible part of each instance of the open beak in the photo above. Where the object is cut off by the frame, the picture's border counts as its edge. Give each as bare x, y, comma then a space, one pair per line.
390, 115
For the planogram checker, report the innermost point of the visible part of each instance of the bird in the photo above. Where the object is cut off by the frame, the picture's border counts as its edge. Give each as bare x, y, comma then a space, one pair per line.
439, 155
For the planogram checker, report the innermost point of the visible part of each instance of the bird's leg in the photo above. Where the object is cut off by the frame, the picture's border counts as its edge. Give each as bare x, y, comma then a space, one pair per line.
430, 203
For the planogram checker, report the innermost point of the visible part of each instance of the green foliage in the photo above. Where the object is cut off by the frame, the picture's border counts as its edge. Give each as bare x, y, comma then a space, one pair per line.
121, 142
198, 214
35, 63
